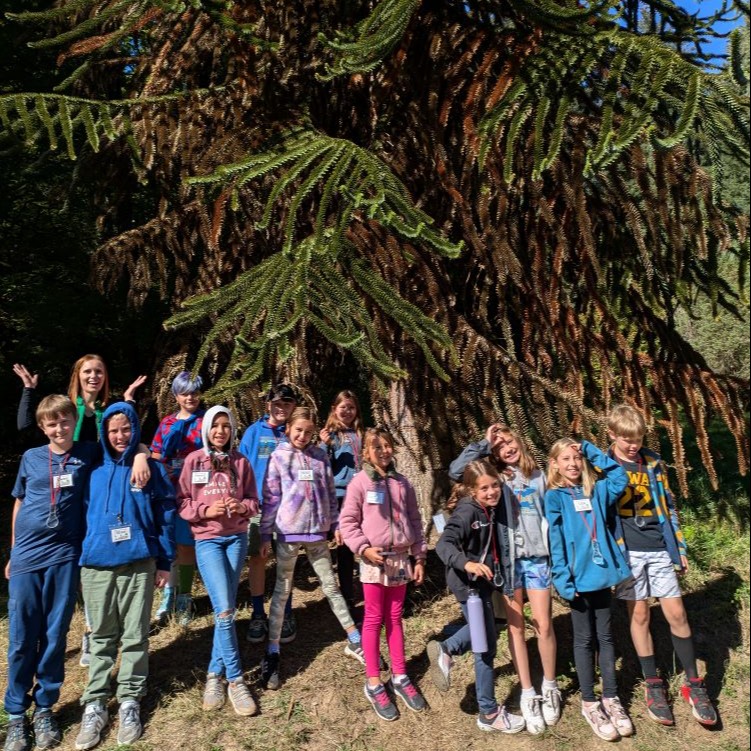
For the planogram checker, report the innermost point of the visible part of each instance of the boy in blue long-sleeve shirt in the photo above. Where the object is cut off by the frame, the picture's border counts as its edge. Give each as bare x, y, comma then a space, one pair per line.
127, 550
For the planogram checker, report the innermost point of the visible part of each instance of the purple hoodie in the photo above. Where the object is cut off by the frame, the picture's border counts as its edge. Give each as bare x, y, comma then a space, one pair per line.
296, 508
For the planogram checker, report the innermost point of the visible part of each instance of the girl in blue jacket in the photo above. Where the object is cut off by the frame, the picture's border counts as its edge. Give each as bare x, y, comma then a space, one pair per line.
586, 562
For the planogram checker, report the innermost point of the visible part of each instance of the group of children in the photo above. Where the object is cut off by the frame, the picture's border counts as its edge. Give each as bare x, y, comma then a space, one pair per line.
109, 517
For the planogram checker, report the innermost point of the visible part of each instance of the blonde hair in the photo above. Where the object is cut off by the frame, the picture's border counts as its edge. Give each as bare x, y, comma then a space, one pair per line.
333, 425
554, 479
53, 406
527, 464
627, 422
74, 387
301, 413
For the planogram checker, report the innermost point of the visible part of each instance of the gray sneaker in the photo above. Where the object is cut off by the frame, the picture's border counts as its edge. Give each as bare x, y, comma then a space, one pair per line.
85, 657
240, 698
214, 694
18, 737
258, 628
94, 720
130, 729
440, 665
46, 732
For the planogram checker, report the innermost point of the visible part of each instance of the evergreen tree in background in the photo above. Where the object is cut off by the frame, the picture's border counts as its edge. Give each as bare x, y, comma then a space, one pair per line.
488, 208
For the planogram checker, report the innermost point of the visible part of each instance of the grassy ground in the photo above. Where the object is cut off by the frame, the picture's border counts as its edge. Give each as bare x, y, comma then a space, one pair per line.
321, 707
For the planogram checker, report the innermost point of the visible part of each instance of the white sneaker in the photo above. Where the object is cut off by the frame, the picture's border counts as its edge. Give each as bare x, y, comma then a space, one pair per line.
600, 722
440, 665
501, 722
355, 652
130, 729
551, 705
532, 714
94, 720
618, 717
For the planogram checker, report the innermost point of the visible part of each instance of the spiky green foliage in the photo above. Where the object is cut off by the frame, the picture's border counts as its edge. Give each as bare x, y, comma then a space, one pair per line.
310, 205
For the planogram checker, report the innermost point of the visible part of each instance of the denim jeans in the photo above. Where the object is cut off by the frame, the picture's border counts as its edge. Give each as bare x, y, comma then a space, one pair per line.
460, 642
220, 561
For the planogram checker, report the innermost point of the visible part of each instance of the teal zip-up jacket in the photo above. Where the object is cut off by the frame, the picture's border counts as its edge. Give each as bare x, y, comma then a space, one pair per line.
112, 503
667, 514
573, 569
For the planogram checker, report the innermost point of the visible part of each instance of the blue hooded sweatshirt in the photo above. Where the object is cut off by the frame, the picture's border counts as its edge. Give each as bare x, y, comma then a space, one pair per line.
125, 524
257, 444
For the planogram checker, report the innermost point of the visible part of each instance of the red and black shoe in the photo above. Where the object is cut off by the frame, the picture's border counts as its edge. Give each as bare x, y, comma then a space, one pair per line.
695, 693
657, 701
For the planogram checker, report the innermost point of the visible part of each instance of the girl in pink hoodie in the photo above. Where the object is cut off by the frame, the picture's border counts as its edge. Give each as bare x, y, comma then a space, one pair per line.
380, 521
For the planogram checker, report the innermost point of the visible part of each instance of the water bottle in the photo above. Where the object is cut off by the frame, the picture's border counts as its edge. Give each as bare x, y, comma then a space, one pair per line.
476, 618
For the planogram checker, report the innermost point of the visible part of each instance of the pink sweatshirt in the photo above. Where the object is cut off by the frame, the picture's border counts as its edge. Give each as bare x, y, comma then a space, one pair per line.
199, 488
382, 513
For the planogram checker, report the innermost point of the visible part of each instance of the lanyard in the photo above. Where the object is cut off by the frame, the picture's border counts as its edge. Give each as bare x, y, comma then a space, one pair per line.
351, 438
591, 530
491, 522
54, 490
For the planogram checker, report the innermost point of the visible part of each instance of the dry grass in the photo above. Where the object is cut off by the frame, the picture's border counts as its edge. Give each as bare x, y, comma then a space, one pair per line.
320, 706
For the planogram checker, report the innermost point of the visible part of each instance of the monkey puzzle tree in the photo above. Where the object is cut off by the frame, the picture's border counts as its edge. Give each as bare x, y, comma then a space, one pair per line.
496, 205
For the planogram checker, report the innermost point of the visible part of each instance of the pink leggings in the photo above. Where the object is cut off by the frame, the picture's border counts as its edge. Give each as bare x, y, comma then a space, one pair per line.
383, 605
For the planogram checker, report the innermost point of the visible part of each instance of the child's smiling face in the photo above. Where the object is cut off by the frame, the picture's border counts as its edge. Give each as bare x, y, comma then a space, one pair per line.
220, 432
300, 433
119, 432
59, 432
508, 450
345, 412
189, 402
570, 464
280, 410
487, 491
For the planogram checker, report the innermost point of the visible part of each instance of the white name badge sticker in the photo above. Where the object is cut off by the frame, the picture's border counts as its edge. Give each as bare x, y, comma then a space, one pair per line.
120, 534
374, 496
63, 481
305, 475
439, 522
582, 504
200, 478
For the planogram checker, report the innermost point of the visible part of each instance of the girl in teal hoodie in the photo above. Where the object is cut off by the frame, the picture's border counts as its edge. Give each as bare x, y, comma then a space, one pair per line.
586, 562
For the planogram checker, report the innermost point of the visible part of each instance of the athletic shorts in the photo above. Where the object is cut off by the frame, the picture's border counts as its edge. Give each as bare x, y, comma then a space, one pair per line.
532, 573
652, 575
254, 536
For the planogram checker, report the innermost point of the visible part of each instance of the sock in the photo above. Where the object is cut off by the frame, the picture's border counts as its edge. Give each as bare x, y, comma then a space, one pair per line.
257, 603
288, 606
400, 678
684, 648
273, 649
648, 666
549, 685
185, 572
529, 693
16, 717
354, 637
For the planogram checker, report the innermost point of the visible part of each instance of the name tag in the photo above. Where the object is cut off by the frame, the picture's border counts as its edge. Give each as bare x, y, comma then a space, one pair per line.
120, 534
305, 475
582, 504
63, 481
439, 522
374, 496
200, 478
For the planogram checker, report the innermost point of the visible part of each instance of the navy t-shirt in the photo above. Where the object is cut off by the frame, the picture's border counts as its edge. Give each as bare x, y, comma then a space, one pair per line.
36, 545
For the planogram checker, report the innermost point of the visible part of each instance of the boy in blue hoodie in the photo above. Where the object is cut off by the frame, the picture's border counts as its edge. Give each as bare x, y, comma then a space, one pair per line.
43, 574
257, 444
127, 550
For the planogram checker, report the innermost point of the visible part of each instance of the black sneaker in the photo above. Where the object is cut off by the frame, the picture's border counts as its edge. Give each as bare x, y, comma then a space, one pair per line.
289, 629
695, 693
46, 732
381, 701
657, 701
270, 671
18, 737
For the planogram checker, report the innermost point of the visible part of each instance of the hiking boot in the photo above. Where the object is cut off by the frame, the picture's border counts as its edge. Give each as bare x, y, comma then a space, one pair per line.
657, 701
166, 606
46, 732
599, 722
618, 717
258, 628
500, 722
130, 729
381, 701
354, 651
551, 706
289, 629
214, 693
409, 694
270, 671
240, 698
695, 693
84, 660
440, 665
184, 610
532, 713
94, 720
18, 736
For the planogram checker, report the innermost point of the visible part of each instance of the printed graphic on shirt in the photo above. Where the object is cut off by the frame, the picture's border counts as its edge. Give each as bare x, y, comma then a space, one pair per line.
266, 446
636, 507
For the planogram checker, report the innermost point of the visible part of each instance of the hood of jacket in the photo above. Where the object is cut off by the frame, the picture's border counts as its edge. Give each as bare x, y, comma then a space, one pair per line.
208, 421
135, 435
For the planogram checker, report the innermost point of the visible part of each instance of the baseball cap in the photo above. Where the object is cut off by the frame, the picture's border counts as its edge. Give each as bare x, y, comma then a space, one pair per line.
282, 392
